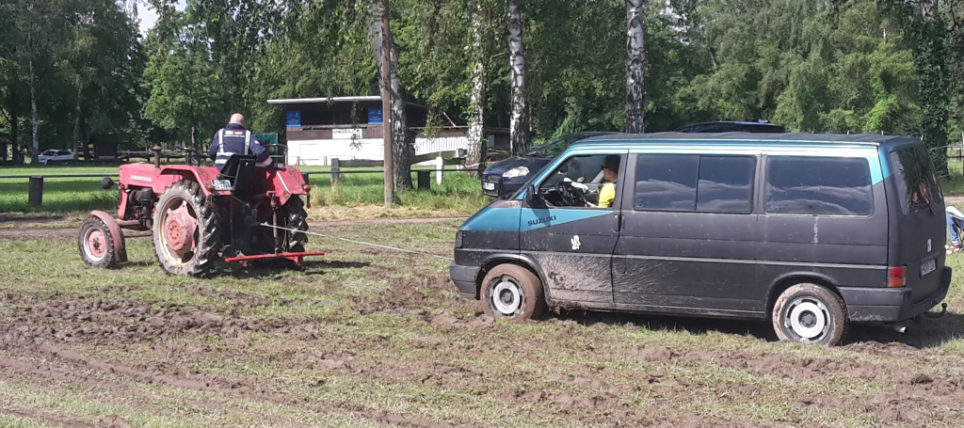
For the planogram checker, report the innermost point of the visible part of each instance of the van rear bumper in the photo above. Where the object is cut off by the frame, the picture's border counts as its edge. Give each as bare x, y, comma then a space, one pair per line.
464, 279
890, 304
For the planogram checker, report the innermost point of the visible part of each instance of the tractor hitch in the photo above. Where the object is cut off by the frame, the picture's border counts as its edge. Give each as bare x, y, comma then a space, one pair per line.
296, 257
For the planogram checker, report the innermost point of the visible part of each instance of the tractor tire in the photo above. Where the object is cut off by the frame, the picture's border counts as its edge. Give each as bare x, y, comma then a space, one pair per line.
96, 244
295, 217
186, 230
514, 292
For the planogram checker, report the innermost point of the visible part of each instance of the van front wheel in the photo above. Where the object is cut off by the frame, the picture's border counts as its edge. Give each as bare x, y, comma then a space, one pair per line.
809, 313
512, 291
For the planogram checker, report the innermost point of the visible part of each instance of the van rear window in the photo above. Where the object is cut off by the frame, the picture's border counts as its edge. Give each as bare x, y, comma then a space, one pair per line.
917, 184
818, 186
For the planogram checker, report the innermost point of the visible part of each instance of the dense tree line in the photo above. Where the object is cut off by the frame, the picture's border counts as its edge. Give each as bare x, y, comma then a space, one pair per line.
74, 71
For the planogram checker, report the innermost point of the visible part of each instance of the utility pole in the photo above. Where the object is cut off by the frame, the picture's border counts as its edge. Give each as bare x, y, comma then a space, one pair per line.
387, 108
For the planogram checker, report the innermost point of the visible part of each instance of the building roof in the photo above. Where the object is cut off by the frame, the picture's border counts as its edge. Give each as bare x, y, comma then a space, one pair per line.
282, 101
320, 100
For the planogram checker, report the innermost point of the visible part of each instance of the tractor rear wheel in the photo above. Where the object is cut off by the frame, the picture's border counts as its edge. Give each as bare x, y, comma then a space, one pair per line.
186, 230
296, 218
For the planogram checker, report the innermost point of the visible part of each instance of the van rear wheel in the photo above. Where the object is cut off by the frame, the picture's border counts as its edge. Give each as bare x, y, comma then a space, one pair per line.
512, 291
809, 313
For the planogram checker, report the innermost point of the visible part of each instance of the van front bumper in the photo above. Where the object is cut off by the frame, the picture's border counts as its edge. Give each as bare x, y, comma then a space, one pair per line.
890, 304
464, 279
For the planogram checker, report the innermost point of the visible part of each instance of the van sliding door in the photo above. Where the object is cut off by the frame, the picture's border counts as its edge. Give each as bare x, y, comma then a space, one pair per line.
689, 235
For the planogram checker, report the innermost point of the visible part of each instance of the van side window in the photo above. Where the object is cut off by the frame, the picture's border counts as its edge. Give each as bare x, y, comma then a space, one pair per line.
818, 185
581, 182
715, 184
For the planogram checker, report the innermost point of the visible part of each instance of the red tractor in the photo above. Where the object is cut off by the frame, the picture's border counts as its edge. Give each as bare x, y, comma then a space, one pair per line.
200, 216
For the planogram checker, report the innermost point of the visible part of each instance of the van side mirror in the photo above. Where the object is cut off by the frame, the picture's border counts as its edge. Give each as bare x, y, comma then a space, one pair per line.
533, 199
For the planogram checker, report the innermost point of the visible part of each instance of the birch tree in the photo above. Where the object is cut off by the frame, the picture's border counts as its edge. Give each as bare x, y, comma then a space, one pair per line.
476, 149
519, 139
635, 67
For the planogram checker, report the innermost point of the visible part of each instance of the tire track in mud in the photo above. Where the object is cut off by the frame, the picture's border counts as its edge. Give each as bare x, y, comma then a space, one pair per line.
40, 330
76, 367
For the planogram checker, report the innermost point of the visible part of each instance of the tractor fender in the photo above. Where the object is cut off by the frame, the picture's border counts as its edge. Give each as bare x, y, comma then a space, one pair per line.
203, 175
141, 175
116, 234
288, 181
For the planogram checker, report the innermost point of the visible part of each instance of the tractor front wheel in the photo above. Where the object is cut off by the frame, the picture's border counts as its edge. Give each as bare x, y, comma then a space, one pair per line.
186, 230
96, 244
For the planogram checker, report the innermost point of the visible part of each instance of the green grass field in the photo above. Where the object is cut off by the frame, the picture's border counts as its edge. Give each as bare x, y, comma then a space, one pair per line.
459, 193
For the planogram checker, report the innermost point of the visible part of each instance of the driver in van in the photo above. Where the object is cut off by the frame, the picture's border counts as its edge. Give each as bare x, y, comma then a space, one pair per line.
610, 174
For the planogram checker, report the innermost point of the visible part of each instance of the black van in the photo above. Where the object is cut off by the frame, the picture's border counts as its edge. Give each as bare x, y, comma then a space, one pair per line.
810, 231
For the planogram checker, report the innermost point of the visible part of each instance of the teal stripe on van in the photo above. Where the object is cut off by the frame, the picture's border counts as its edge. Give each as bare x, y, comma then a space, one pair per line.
524, 219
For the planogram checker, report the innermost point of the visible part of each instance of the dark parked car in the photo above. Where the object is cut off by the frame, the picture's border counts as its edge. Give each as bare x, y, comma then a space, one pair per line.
760, 126
506, 176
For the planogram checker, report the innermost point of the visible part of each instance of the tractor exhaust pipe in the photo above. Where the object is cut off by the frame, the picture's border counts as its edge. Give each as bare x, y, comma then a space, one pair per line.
157, 156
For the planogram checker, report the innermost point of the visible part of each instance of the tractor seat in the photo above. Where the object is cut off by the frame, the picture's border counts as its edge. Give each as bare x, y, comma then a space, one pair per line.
239, 170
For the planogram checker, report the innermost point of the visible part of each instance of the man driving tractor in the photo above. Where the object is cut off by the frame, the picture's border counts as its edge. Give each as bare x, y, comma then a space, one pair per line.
235, 139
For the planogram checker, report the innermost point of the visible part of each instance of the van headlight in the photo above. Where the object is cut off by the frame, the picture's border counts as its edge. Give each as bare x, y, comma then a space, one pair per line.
519, 171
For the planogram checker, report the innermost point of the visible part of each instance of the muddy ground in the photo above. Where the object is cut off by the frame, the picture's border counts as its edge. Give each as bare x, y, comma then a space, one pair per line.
414, 354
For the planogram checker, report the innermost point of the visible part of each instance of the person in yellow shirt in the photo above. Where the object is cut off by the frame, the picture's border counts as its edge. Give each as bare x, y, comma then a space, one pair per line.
610, 174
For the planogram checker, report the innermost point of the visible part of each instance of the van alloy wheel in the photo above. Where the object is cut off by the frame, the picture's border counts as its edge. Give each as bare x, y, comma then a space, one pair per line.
512, 291
809, 313
807, 318
507, 297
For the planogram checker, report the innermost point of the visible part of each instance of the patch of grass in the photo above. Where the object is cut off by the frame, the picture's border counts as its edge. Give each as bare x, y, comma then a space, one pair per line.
357, 195
459, 194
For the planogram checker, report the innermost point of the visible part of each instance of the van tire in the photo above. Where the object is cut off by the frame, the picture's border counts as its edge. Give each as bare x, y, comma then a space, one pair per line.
809, 313
514, 292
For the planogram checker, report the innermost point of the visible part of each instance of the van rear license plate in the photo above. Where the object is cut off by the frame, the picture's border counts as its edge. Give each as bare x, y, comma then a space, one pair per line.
928, 267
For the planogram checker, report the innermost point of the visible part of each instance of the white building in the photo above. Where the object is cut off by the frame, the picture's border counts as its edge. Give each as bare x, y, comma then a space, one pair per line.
350, 128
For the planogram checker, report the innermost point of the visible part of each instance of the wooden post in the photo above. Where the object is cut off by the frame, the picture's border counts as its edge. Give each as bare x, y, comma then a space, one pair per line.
439, 165
424, 179
304, 175
334, 171
36, 191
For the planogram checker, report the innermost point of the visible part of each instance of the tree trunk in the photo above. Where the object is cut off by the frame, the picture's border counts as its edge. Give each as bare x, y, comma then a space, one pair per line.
14, 128
476, 149
76, 139
402, 138
34, 120
519, 140
635, 68
930, 62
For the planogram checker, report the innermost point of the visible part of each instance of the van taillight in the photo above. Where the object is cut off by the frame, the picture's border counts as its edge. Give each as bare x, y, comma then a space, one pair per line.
897, 276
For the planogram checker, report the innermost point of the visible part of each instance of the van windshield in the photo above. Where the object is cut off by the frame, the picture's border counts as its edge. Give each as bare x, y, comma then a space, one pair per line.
917, 185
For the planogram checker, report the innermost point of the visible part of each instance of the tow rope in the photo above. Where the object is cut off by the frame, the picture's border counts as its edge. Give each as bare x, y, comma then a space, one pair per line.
369, 244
